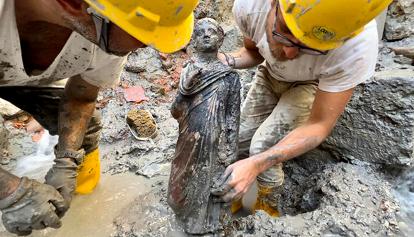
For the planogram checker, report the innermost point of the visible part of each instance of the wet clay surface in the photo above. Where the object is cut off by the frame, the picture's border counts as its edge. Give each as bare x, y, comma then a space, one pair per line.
92, 215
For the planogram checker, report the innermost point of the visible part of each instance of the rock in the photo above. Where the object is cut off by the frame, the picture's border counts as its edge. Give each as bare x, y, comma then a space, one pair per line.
400, 20
113, 120
377, 125
404, 193
19, 143
219, 10
354, 201
407, 6
146, 62
405, 51
4, 143
147, 216
7, 109
233, 39
142, 122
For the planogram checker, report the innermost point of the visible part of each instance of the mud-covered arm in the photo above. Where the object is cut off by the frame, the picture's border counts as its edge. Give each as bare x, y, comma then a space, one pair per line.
231, 121
76, 109
326, 109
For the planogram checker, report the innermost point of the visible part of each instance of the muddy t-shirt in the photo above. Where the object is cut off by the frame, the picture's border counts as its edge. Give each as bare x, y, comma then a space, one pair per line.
341, 69
78, 57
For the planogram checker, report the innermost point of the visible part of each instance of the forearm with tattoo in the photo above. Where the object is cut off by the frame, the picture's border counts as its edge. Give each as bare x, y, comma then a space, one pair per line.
296, 143
326, 109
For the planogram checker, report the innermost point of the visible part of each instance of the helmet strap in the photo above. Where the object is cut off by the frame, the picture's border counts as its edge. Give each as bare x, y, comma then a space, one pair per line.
102, 26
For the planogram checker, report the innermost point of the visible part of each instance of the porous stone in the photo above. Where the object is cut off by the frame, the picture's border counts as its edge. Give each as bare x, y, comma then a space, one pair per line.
146, 62
377, 125
7, 109
142, 122
219, 10
400, 19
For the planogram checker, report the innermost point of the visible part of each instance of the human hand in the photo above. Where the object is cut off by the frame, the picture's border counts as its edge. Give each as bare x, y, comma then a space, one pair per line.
227, 59
236, 180
222, 58
32, 206
62, 176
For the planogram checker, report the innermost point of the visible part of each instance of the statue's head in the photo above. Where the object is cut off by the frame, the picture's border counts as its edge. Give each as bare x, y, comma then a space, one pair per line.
208, 35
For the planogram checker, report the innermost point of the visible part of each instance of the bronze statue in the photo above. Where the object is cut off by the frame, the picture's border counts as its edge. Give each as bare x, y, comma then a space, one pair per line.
208, 110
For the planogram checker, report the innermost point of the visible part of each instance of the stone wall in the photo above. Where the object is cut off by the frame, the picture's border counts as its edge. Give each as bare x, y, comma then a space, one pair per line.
377, 125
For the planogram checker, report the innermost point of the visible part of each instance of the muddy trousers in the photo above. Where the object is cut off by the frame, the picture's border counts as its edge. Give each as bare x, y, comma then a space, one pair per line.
271, 110
43, 105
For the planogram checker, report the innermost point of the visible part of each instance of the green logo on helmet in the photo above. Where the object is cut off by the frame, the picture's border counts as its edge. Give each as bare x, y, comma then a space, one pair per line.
323, 33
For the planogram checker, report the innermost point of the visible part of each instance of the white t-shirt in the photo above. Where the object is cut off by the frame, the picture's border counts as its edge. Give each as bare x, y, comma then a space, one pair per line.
78, 57
341, 69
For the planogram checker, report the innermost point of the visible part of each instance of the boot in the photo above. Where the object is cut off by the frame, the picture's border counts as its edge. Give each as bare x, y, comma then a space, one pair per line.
88, 173
236, 206
267, 200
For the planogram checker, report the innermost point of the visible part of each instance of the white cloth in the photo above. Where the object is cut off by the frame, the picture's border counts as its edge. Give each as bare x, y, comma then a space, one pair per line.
78, 57
341, 69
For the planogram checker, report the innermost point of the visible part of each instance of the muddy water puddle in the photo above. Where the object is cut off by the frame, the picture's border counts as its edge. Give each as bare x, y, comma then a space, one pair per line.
93, 214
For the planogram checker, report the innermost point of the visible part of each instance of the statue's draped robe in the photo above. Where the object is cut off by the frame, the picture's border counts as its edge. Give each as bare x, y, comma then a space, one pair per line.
208, 110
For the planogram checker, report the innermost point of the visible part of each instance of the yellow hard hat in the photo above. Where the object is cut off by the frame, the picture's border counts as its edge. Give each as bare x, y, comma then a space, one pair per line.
327, 24
166, 25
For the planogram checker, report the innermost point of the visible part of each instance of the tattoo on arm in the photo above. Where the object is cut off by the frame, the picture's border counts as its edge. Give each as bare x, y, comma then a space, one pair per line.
287, 149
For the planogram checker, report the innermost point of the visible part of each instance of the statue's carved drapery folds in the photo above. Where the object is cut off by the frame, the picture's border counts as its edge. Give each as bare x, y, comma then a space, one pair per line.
207, 108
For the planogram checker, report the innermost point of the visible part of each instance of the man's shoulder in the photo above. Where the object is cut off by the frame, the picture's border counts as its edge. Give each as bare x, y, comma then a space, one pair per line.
250, 16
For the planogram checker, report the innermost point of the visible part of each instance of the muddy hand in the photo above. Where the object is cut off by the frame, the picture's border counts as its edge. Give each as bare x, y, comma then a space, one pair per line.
33, 206
62, 176
236, 180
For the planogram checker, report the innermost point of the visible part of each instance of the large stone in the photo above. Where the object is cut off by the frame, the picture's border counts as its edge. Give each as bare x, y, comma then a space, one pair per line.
7, 109
146, 62
233, 39
377, 125
219, 10
400, 20
407, 6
